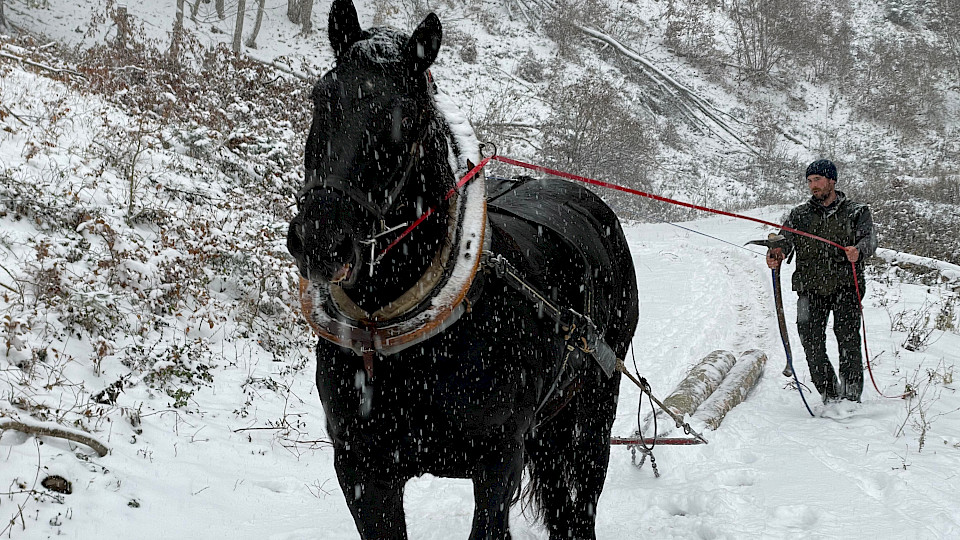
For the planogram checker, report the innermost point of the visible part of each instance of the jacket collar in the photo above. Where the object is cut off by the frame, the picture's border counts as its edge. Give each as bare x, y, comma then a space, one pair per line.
832, 208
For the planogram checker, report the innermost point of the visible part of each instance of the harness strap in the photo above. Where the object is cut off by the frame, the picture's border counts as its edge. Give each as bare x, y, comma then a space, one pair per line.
582, 333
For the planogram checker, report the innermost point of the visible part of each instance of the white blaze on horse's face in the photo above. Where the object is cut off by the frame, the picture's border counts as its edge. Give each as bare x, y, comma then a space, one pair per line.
364, 142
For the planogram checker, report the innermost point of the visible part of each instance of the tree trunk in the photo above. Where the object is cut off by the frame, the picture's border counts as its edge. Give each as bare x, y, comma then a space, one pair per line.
194, 10
3, 18
122, 27
701, 381
177, 31
221, 12
306, 15
293, 11
238, 29
734, 389
252, 40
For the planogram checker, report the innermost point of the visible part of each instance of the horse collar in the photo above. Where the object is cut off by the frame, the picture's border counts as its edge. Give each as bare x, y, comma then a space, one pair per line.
437, 301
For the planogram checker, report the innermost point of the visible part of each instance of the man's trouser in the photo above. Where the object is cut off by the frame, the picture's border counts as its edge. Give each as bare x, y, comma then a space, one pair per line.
812, 313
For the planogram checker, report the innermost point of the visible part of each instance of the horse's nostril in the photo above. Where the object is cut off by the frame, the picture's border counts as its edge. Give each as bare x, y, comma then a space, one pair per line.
295, 241
343, 252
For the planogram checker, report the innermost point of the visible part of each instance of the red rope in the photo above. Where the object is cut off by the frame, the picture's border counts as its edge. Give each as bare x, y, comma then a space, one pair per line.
866, 350
483, 163
466, 178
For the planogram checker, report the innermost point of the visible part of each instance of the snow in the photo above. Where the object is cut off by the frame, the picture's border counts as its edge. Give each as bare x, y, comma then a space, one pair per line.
769, 471
948, 272
244, 453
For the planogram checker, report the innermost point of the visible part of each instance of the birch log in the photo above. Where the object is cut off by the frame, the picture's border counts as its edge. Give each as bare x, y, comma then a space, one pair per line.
734, 389
702, 380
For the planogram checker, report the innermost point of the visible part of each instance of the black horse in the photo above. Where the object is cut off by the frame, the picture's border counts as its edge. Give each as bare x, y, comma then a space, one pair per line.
446, 354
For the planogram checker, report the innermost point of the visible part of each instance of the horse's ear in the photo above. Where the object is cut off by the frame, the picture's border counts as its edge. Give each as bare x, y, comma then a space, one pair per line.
343, 26
424, 44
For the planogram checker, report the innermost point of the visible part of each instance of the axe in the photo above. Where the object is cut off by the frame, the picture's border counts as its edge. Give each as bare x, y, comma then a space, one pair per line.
774, 241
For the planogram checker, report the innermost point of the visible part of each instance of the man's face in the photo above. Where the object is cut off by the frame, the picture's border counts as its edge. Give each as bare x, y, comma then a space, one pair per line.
821, 187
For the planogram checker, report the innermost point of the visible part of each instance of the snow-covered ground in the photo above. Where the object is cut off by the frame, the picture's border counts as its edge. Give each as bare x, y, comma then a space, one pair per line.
769, 471
184, 304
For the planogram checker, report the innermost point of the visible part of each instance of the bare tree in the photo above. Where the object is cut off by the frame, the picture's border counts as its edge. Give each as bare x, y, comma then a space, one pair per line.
306, 15
123, 26
301, 12
293, 11
238, 29
177, 30
194, 9
755, 22
221, 11
252, 40
591, 129
948, 13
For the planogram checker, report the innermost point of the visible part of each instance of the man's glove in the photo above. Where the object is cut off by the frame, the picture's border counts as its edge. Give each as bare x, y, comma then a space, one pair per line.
774, 258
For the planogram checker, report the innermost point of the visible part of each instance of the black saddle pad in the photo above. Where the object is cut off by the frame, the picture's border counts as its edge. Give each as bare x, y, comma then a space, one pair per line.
561, 231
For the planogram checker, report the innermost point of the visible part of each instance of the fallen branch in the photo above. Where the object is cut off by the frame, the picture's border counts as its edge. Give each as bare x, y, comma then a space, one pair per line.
13, 114
271, 428
684, 95
58, 71
309, 76
56, 431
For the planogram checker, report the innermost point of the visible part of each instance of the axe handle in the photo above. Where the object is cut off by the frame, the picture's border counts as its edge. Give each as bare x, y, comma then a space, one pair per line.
781, 319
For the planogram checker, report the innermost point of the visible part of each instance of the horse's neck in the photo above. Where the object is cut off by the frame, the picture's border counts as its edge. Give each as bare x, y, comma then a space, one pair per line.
404, 265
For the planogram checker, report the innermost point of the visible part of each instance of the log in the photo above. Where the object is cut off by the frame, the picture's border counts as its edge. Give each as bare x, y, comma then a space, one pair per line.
702, 380
49, 429
733, 390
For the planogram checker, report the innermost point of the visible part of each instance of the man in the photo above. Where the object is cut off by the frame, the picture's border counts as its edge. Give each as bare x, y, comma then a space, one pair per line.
824, 280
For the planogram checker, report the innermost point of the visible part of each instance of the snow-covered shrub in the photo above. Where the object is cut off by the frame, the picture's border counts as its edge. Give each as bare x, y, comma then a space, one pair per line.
592, 130
898, 83
692, 31
530, 67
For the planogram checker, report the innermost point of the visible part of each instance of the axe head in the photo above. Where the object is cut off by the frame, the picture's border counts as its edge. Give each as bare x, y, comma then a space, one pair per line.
773, 241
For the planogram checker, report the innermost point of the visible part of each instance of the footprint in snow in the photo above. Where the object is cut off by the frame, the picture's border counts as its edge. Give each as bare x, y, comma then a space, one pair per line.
795, 516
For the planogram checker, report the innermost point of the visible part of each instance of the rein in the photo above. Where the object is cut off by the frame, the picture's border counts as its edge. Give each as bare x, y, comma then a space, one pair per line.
554, 172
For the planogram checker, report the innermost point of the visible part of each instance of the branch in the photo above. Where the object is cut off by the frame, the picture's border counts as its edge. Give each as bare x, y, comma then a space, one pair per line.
56, 431
59, 71
309, 76
9, 288
13, 114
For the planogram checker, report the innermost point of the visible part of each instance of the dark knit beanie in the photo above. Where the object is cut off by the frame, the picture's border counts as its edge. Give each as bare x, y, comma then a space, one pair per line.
823, 167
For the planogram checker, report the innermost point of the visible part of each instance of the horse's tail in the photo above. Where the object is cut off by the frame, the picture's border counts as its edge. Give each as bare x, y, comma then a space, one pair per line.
566, 457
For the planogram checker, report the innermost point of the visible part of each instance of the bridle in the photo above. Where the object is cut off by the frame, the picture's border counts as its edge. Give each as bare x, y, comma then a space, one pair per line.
397, 181
447, 288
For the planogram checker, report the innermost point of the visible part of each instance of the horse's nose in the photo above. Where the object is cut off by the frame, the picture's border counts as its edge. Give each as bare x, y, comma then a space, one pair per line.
316, 257
295, 243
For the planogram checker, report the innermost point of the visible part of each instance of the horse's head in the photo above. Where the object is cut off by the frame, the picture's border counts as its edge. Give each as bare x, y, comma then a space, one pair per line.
372, 114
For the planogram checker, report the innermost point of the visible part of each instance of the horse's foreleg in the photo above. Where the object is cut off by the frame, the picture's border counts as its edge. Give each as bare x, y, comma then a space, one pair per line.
375, 500
494, 486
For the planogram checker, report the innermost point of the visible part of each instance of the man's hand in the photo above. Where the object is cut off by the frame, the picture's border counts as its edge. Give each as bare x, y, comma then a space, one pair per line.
852, 253
775, 257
